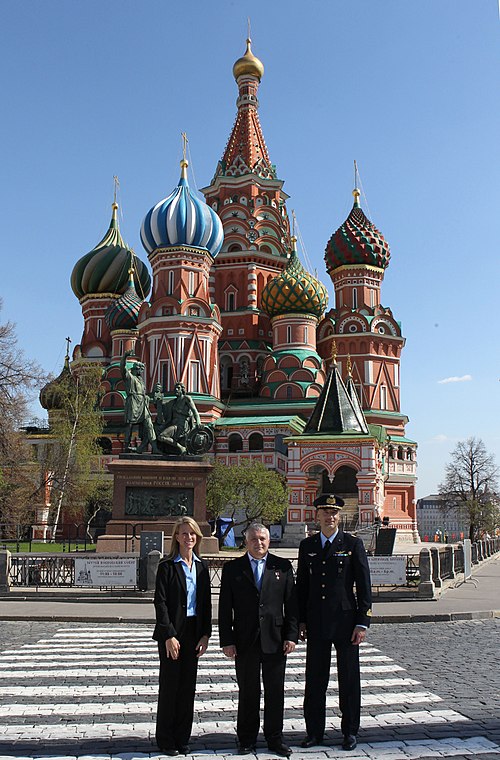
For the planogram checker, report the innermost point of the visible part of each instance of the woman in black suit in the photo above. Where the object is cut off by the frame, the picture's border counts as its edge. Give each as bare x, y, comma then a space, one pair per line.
183, 627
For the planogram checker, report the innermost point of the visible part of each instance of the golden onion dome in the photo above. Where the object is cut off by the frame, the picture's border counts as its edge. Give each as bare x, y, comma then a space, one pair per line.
294, 291
248, 64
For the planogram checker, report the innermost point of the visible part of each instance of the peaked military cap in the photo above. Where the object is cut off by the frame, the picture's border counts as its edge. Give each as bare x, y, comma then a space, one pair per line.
327, 501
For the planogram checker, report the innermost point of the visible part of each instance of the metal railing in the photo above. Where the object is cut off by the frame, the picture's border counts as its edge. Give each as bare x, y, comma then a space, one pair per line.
58, 570
50, 570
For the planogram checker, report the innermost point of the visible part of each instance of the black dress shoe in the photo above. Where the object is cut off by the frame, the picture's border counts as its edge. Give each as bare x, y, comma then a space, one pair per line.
170, 751
246, 749
349, 742
184, 749
311, 741
280, 749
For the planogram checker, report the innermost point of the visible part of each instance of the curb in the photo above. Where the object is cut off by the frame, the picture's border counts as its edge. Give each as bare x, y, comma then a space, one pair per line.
439, 617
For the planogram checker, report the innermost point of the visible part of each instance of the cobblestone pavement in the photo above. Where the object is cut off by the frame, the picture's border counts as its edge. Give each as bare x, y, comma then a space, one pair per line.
72, 690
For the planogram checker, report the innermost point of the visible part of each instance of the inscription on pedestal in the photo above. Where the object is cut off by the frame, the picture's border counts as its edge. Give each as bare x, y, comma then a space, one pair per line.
159, 502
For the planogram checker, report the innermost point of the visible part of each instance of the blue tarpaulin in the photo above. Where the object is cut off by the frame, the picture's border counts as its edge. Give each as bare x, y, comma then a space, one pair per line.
222, 523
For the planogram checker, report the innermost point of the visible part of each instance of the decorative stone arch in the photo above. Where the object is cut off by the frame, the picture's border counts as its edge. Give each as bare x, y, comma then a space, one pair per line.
194, 307
383, 327
96, 351
326, 458
326, 330
244, 362
352, 320
288, 391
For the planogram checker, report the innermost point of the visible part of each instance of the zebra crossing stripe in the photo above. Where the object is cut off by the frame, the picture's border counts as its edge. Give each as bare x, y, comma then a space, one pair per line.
218, 701
145, 729
142, 689
134, 696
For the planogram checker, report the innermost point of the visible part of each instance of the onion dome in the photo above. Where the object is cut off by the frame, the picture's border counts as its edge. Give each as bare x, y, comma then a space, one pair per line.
294, 291
357, 241
52, 394
105, 268
123, 314
182, 219
248, 64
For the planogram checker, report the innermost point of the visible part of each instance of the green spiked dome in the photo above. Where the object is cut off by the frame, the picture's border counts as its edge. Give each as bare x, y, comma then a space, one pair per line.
294, 291
357, 241
105, 268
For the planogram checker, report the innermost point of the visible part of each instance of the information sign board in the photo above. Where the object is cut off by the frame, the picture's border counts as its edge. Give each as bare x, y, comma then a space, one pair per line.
151, 540
388, 571
105, 571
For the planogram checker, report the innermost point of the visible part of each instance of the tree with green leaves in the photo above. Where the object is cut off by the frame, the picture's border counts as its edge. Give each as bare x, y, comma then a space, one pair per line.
248, 489
471, 485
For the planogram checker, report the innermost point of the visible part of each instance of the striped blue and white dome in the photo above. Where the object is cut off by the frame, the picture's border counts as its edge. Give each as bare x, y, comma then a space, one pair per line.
182, 219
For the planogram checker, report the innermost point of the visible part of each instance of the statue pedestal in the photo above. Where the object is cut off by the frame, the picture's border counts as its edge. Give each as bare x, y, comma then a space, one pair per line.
149, 493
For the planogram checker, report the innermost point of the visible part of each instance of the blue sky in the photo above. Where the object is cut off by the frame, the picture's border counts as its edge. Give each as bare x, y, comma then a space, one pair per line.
408, 89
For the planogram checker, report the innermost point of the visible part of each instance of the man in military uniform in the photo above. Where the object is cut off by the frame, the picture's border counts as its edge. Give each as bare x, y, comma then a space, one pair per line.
330, 564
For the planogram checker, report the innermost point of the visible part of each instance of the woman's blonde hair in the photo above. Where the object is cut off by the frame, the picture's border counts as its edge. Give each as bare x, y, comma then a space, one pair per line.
174, 544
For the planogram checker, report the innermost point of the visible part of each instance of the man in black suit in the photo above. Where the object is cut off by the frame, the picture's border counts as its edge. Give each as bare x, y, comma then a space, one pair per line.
330, 564
258, 627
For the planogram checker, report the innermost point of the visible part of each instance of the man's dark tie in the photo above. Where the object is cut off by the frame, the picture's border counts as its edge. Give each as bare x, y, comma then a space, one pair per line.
327, 549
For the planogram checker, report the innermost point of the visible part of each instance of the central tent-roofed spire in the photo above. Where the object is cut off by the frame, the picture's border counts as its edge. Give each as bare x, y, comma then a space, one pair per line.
246, 150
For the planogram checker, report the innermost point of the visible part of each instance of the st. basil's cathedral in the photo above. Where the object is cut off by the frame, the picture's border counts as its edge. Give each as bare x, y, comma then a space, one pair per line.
230, 311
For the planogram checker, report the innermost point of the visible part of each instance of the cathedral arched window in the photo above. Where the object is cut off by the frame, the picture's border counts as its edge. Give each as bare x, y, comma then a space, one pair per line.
230, 301
235, 442
234, 247
354, 298
256, 442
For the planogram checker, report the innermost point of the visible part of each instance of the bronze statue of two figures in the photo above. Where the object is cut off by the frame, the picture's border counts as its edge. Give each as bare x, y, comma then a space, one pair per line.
177, 428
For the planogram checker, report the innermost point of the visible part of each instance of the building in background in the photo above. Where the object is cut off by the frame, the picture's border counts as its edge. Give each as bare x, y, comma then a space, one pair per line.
234, 315
439, 522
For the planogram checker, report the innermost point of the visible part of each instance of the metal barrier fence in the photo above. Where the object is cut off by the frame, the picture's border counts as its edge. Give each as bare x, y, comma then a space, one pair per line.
432, 566
42, 570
